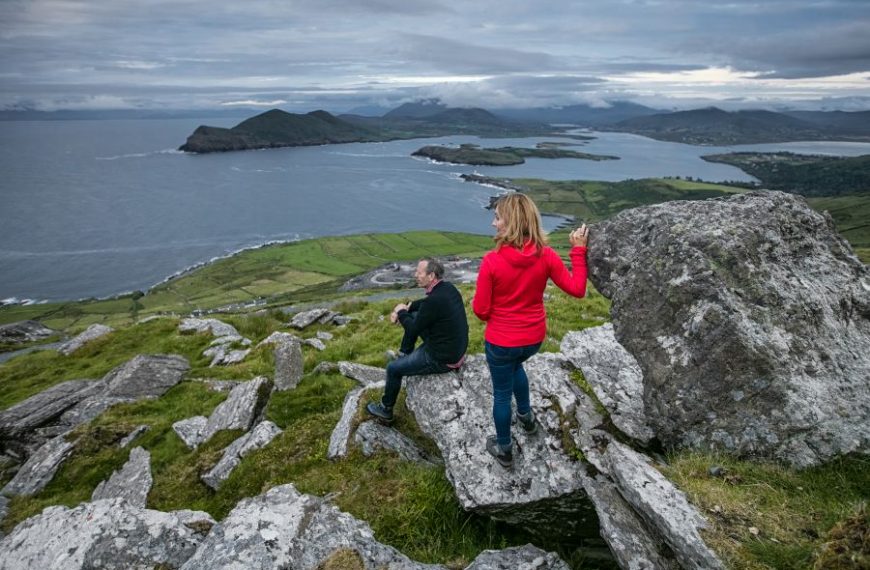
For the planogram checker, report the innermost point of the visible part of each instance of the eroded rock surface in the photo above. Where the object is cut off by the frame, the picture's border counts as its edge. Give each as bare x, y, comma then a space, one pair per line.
544, 490
750, 318
217, 328
362, 373
257, 438
614, 375
24, 331
111, 534
372, 436
285, 529
305, 318
526, 557
289, 364
44, 407
338, 440
132, 482
40, 468
146, 376
93, 332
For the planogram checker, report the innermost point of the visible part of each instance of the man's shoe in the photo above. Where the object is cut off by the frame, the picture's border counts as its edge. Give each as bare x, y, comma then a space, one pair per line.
380, 411
529, 422
504, 455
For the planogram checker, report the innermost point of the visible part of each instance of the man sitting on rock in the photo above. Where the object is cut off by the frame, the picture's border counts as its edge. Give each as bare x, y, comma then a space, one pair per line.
438, 319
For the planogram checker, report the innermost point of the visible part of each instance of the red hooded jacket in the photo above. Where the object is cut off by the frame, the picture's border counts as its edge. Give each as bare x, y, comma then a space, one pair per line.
510, 291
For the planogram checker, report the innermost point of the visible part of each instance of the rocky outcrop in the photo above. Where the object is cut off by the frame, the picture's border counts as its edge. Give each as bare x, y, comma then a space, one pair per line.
315, 343
750, 319
145, 376
111, 534
40, 468
372, 436
544, 490
614, 376
662, 506
24, 331
48, 405
285, 529
257, 438
304, 319
240, 410
133, 435
362, 373
521, 558
220, 351
289, 365
338, 440
93, 332
132, 483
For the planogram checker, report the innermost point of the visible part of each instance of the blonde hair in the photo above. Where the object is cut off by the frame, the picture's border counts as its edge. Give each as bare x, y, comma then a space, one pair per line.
522, 222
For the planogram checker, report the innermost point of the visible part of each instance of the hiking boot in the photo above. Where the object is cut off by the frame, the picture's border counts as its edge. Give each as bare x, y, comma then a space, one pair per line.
380, 411
503, 454
528, 422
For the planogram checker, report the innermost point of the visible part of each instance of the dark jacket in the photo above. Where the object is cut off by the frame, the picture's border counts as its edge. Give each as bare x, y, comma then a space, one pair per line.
441, 321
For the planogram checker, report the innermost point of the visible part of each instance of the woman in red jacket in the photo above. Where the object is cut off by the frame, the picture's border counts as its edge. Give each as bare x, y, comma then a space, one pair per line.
510, 299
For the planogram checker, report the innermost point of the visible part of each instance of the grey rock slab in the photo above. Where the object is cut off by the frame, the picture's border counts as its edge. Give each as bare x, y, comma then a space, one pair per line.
543, 491
190, 430
338, 440
146, 376
285, 529
315, 342
341, 320
323, 335
371, 436
750, 319
132, 482
662, 506
306, 318
128, 439
110, 534
279, 337
215, 327
221, 355
44, 407
526, 557
631, 542
93, 332
87, 410
325, 367
327, 317
362, 373
242, 407
289, 364
40, 468
24, 331
257, 438
614, 375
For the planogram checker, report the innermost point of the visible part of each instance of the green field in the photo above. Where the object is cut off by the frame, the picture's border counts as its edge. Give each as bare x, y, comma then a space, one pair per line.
271, 275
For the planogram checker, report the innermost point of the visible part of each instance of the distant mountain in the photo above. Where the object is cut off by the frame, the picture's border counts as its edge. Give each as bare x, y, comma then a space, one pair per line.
278, 128
583, 115
857, 122
115, 114
369, 111
713, 126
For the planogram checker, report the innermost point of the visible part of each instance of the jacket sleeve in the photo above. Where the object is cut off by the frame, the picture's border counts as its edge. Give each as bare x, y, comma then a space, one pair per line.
573, 282
426, 315
415, 305
482, 302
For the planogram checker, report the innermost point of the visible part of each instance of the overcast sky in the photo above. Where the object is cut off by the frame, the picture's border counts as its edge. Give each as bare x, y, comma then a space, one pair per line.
339, 54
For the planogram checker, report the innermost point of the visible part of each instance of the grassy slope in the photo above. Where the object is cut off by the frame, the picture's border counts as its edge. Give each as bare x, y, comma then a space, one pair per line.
273, 273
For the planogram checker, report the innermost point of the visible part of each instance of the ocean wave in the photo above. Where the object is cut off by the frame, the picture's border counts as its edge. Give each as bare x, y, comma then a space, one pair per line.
21, 301
141, 154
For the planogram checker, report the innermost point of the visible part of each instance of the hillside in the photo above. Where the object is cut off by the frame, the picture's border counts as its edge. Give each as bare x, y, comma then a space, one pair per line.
501, 156
582, 115
809, 175
712, 126
277, 128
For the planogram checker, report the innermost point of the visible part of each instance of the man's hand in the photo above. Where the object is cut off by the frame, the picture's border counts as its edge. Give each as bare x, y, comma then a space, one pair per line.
394, 316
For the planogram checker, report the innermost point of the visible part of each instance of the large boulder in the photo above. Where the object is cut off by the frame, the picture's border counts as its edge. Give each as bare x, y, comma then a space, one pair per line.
750, 319
93, 332
24, 331
283, 528
544, 490
44, 407
40, 468
111, 534
146, 376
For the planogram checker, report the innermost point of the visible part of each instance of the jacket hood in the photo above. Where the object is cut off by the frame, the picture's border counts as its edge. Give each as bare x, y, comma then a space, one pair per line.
525, 258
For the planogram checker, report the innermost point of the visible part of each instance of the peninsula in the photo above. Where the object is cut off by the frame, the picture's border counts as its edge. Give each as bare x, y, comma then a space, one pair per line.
502, 156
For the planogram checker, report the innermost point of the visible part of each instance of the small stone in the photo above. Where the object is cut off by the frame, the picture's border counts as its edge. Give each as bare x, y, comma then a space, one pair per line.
717, 471
315, 342
323, 335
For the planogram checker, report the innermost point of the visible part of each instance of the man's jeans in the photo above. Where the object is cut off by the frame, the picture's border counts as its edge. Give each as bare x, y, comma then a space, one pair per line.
508, 379
417, 363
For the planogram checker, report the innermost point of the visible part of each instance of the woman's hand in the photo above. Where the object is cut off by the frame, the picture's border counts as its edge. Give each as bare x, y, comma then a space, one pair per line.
579, 236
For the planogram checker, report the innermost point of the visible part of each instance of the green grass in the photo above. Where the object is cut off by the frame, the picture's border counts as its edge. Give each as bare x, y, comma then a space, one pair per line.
765, 516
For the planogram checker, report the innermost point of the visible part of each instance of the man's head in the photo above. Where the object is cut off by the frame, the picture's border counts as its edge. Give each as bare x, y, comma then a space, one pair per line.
428, 271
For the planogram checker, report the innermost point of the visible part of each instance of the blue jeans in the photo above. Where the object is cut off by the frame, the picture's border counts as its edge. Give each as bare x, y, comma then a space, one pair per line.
508, 379
417, 363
